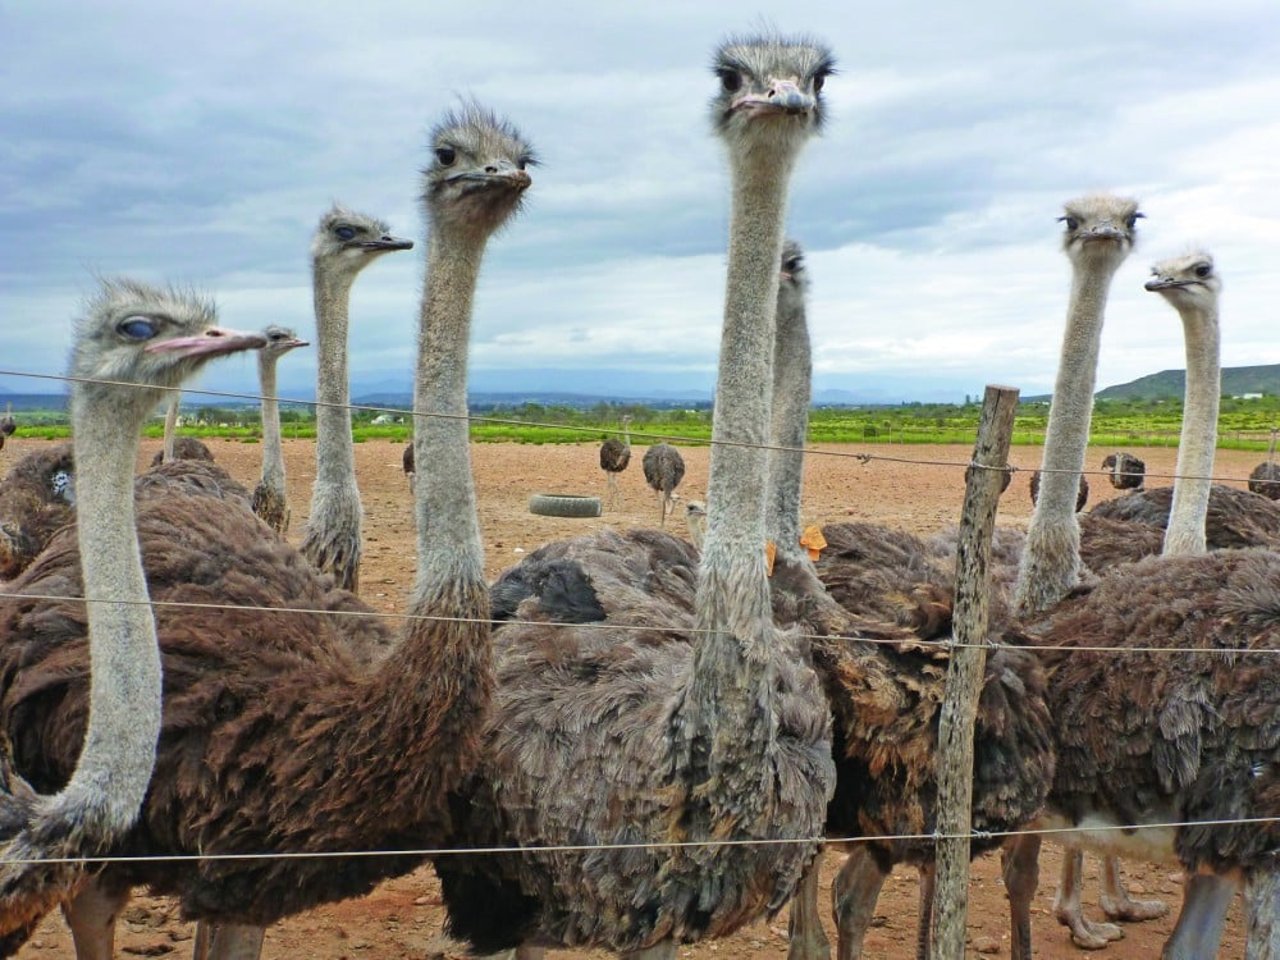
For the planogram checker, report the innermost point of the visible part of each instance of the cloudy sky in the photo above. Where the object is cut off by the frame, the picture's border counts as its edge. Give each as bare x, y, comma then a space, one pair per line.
201, 142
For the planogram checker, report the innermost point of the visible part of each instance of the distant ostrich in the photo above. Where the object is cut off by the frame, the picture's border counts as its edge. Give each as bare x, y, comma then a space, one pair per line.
269, 498
8, 425
176, 447
615, 455
407, 458
1127, 472
885, 756
663, 471
1264, 478
37, 496
344, 243
643, 738
1126, 760
276, 739
155, 339
1082, 490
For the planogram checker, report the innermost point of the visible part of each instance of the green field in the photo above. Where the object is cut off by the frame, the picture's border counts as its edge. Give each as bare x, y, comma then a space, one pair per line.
1243, 424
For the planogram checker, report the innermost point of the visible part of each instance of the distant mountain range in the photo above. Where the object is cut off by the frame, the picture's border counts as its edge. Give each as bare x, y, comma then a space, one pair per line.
1167, 384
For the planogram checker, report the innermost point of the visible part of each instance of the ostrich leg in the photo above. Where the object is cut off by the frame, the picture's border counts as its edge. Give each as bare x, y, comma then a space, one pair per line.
853, 899
808, 941
1116, 902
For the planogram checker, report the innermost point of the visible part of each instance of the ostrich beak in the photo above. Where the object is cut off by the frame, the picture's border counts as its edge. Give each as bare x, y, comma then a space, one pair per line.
214, 342
384, 243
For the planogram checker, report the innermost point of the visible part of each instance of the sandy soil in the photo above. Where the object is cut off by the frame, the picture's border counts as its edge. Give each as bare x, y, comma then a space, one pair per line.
403, 917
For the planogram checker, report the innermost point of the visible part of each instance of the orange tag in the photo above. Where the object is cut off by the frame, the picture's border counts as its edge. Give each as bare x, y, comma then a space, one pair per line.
813, 540
770, 554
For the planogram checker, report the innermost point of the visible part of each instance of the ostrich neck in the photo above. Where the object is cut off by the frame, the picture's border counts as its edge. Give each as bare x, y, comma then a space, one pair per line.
792, 382
272, 451
335, 456
1051, 558
119, 748
171, 426
730, 688
1185, 533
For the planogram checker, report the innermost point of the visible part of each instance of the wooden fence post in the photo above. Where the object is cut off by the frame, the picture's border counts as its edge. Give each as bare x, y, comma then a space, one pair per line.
965, 670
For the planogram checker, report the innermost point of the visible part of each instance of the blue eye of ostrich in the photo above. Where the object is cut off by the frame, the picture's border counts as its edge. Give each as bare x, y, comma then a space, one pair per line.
137, 328
345, 232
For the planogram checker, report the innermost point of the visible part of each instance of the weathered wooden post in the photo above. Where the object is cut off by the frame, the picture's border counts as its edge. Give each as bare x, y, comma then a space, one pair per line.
965, 670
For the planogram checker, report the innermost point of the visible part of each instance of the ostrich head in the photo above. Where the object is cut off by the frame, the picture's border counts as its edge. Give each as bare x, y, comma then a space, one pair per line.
1187, 281
793, 281
695, 518
1099, 227
280, 340
148, 335
770, 93
478, 172
347, 242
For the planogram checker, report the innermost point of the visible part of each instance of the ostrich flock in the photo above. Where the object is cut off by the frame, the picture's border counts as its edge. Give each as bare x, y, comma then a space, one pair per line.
656, 735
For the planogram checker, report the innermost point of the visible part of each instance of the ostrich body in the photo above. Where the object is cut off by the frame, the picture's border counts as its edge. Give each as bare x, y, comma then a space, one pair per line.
8, 425
1235, 518
176, 447
615, 455
1082, 490
663, 471
1264, 479
37, 496
1127, 472
885, 700
269, 498
600, 737
344, 243
407, 458
275, 737
156, 339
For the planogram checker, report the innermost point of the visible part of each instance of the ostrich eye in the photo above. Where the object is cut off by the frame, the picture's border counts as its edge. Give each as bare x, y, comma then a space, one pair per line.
137, 328
1071, 222
793, 264
730, 80
1203, 270
1133, 219
819, 79
446, 156
345, 232
526, 160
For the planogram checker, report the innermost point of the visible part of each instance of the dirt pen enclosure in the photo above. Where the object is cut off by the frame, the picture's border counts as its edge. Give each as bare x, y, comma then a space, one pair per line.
403, 917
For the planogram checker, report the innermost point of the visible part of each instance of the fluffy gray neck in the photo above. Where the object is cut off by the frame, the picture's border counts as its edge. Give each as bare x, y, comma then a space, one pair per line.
1185, 533
171, 425
449, 546
335, 456
733, 593
272, 450
792, 383
1050, 564
111, 776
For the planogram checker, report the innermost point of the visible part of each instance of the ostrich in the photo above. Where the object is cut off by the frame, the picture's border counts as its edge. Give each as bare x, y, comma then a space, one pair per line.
408, 465
344, 243
1082, 490
269, 496
37, 496
1126, 472
153, 339
663, 471
176, 447
615, 455
1175, 739
8, 425
602, 737
885, 755
276, 739
1264, 479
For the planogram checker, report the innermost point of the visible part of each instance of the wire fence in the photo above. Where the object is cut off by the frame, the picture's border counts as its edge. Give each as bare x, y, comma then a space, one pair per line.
686, 629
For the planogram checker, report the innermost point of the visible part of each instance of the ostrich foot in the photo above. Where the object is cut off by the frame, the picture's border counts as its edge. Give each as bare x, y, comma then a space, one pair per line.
1085, 933
1116, 902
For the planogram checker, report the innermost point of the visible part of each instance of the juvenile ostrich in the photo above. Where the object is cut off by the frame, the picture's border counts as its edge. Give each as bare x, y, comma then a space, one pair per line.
1127, 472
615, 455
269, 500
663, 471
345, 242
1176, 739
275, 738
37, 496
1264, 479
155, 339
1082, 490
885, 701
176, 447
605, 736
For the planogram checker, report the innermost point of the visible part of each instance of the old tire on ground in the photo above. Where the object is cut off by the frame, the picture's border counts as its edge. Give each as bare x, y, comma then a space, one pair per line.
564, 505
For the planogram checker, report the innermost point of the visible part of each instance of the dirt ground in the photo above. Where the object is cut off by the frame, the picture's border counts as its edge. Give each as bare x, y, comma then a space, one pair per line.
403, 917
